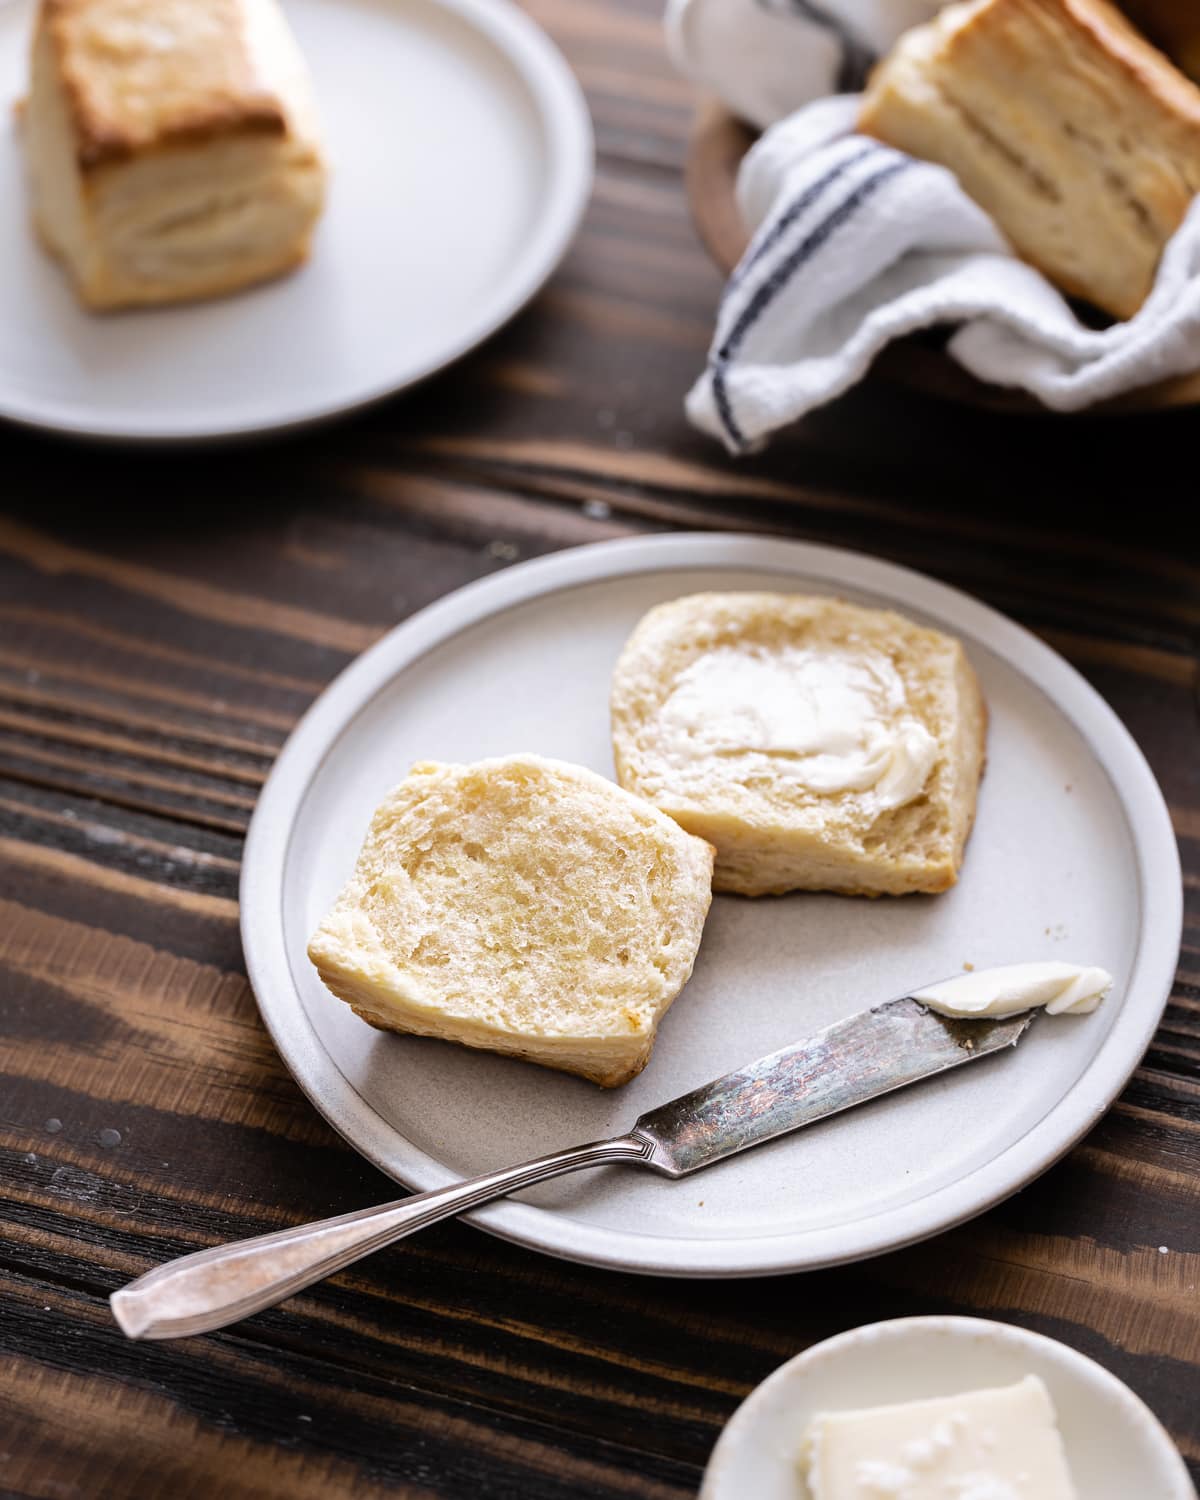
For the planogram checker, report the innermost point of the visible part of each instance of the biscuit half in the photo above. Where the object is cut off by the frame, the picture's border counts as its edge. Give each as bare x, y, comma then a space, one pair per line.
524, 906
816, 744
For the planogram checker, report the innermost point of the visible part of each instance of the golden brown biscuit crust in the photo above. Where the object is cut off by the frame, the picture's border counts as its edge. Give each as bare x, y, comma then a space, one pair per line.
147, 74
1112, 42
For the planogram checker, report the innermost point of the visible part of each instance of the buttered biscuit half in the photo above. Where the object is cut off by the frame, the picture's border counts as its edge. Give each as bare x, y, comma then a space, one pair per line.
816, 744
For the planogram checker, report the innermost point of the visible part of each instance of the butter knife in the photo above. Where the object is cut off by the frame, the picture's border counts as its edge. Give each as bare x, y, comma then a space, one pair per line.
869, 1054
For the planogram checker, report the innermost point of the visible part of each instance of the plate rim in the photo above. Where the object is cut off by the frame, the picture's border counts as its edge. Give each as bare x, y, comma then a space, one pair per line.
740, 1426
334, 1096
568, 137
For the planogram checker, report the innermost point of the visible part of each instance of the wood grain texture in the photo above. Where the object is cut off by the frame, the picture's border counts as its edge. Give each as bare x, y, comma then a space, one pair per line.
164, 621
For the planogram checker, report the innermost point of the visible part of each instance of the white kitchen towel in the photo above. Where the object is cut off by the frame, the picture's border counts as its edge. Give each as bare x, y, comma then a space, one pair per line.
856, 244
765, 58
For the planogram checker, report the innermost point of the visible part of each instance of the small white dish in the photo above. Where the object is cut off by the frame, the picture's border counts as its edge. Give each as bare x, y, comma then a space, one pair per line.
1117, 1449
1073, 856
461, 155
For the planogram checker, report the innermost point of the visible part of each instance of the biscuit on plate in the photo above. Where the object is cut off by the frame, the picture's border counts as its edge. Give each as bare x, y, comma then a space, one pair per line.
1078, 137
818, 745
520, 905
172, 146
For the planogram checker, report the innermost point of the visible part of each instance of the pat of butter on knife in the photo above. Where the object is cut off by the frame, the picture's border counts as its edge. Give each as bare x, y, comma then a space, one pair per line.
1064, 989
1000, 1444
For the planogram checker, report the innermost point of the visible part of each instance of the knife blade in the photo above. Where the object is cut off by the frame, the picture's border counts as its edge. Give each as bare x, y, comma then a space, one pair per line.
870, 1053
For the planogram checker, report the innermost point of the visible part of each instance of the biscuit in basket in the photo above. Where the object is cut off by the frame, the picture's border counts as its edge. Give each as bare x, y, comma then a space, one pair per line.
1078, 137
818, 745
524, 906
172, 146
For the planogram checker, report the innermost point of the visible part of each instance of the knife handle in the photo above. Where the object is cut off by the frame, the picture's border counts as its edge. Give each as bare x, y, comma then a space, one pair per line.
212, 1288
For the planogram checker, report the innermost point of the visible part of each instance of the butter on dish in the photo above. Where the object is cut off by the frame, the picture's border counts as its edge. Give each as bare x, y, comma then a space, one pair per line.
172, 146
816, 744
998, 1444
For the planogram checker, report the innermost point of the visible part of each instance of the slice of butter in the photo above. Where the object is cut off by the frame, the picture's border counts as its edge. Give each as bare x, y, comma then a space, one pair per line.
833, 721
1064, 989
1000, 1444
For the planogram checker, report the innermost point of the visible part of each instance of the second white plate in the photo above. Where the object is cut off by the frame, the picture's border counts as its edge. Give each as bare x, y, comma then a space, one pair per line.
461, 160
1072, 857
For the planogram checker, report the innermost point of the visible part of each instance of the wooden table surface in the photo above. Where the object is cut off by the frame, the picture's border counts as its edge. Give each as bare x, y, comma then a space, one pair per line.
164, 620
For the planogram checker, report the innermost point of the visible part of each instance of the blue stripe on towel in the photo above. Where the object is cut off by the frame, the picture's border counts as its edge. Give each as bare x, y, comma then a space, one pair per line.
797, 206
778, 280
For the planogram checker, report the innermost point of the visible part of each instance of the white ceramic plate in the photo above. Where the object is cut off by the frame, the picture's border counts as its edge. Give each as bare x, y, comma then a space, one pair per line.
1116, 1447
462, 159
1072, 857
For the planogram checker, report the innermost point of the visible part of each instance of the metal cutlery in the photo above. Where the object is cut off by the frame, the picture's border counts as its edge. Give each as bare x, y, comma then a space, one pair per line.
852, 1061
